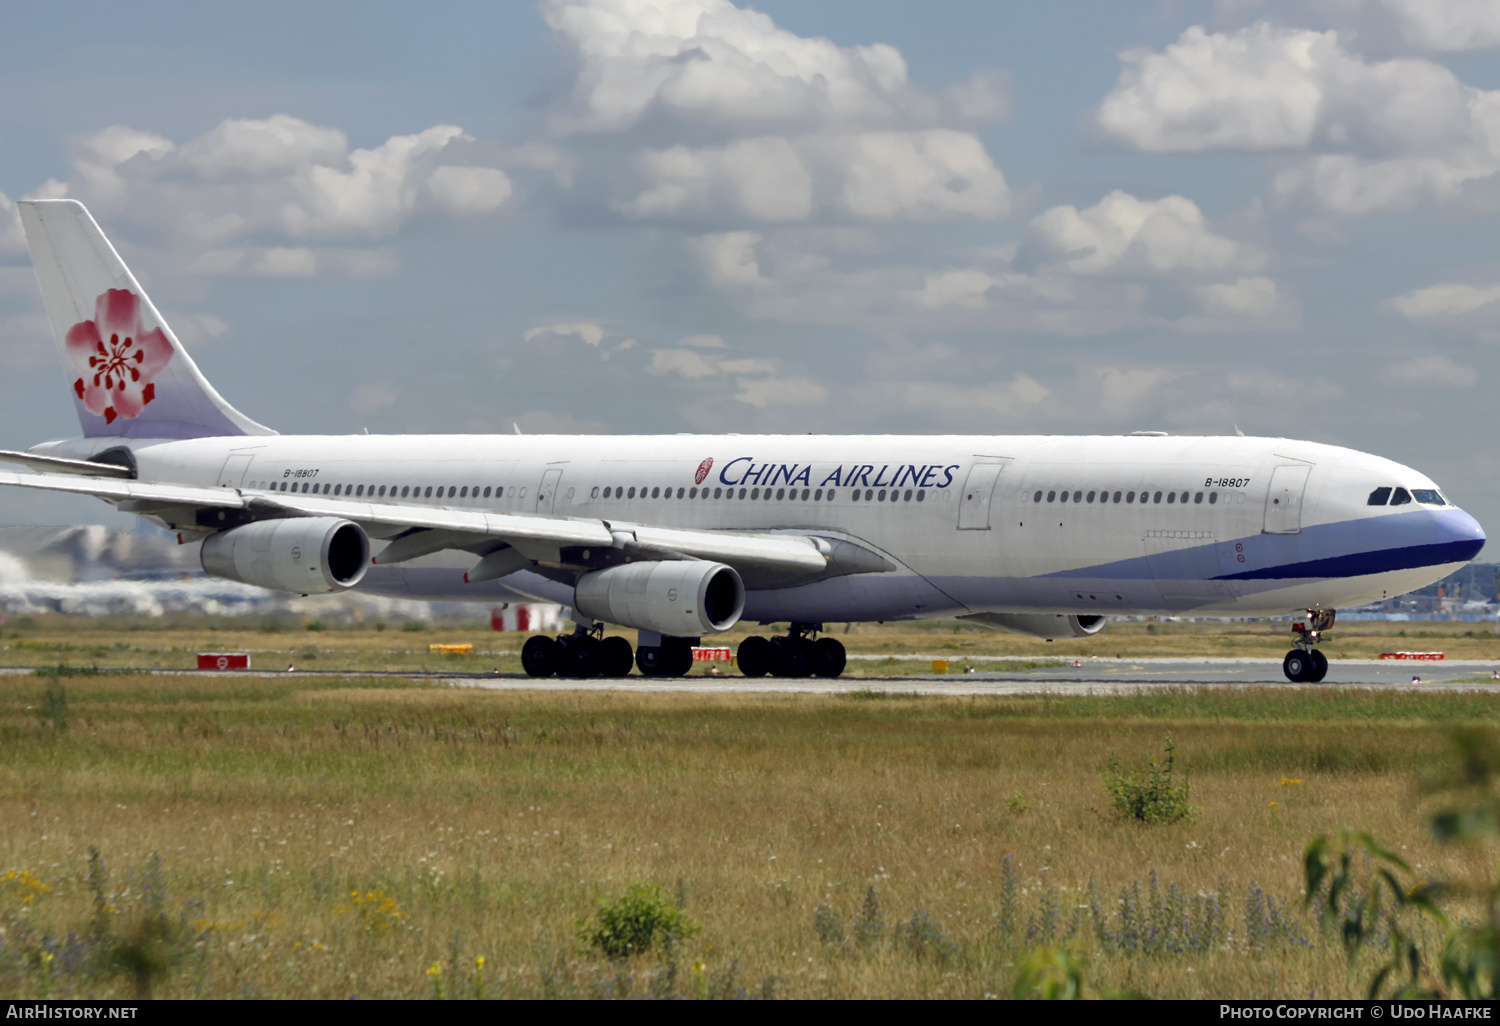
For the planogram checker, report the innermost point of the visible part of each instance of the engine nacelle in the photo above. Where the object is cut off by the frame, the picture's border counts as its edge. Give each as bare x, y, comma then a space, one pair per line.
298, 554
1041, 625
680, 598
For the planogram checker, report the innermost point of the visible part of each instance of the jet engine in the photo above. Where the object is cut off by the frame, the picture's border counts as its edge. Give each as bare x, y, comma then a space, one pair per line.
1041, 625
680, 598
298, 554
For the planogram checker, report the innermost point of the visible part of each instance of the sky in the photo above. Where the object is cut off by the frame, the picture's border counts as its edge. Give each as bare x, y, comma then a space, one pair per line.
868, 217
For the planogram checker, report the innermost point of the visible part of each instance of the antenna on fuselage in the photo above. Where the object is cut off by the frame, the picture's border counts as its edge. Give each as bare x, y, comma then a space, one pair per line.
516, 426
1238, 431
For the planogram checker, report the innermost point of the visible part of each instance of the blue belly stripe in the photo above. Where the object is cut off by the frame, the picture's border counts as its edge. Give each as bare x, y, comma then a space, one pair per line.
1360, 564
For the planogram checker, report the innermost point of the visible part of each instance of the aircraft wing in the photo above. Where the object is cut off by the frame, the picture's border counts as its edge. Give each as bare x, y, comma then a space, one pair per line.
419, 530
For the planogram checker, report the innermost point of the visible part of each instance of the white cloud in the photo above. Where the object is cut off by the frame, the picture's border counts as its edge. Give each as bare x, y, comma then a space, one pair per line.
763, 392
1433, 370
1122, 263
298, 262
877, 176
12, 238
217, 196
469, 190
1449, 24
195, 329
1444, 301
756, 379
1017, 397
763, 178
1122, 233
685, 363
590, 332
1443, 25
1248, 297
711, 63
1391, 131
372, 398
765, 125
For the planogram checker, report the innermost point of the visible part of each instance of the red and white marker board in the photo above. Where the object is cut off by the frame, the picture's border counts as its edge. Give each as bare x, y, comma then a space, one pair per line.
223, 661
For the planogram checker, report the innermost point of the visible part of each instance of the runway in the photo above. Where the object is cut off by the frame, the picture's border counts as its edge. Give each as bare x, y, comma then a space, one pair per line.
1092, 676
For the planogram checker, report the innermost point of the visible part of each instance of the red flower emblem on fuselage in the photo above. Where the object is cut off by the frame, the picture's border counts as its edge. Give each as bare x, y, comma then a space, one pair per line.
703, 469
115, 359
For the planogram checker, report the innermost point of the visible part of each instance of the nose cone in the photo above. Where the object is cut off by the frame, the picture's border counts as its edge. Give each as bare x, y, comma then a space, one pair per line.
1462, 534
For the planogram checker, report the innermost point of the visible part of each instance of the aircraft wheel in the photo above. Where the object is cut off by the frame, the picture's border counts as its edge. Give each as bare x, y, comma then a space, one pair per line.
754, 656
1297, 666
1319, 666
829, 657
677, 657
648, 659
580, 657
539, 656
792, 657
618, 657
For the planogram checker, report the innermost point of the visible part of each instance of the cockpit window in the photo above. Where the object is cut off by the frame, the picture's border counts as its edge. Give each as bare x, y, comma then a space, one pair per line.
1401, 498
1379, 497
1429, 496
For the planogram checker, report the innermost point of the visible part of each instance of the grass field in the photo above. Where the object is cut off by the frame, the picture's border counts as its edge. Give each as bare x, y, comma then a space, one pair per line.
279, 837
173, 642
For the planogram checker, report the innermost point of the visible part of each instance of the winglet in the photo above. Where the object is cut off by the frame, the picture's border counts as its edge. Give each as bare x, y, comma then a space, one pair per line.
129, 375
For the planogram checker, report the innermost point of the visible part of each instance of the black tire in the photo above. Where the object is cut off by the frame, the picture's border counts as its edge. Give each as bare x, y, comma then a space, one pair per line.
753, 657
678, 657
648, 659
539, 656
1297, 666
579, 657
793, 657
618, 657
829, 658
1319, 666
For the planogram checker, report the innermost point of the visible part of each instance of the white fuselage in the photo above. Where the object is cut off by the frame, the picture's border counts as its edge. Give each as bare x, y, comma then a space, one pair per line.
1219, 525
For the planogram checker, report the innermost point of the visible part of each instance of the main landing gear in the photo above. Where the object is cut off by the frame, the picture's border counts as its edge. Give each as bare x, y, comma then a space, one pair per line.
588, 653
1304, 664
584, 653
792, 655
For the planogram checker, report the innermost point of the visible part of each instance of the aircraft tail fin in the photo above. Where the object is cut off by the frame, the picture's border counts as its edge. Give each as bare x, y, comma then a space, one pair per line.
129, 375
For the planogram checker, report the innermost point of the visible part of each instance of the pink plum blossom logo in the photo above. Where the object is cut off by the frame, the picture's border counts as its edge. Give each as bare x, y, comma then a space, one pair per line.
703, 469
115, 359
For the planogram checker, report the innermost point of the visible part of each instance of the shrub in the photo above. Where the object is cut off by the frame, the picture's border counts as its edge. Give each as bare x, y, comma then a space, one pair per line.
414, 626
1158, 796
826, 923
315, 625
54, 710
870, 925
635, 922
922, 937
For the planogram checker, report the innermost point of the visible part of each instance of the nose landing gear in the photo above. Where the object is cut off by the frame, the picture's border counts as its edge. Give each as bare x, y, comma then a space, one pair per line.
1304, 664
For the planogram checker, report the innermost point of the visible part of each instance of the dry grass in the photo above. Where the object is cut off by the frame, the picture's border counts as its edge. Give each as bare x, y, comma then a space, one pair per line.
173, 642
493, 821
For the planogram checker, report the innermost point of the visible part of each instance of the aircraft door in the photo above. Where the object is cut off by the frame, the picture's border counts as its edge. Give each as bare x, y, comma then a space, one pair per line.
546, 492
977, 496
234, 469
1284, 500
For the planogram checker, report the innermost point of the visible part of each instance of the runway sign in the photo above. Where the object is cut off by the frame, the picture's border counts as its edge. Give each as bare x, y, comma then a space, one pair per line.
223, 661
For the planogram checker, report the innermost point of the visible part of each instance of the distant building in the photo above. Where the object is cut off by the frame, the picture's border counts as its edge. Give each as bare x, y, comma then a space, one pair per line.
1471, 593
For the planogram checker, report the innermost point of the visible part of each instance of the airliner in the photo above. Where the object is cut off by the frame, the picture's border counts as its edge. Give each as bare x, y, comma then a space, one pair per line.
681, 537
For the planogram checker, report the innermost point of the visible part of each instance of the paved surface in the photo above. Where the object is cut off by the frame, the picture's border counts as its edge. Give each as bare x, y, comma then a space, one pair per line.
1091, 676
